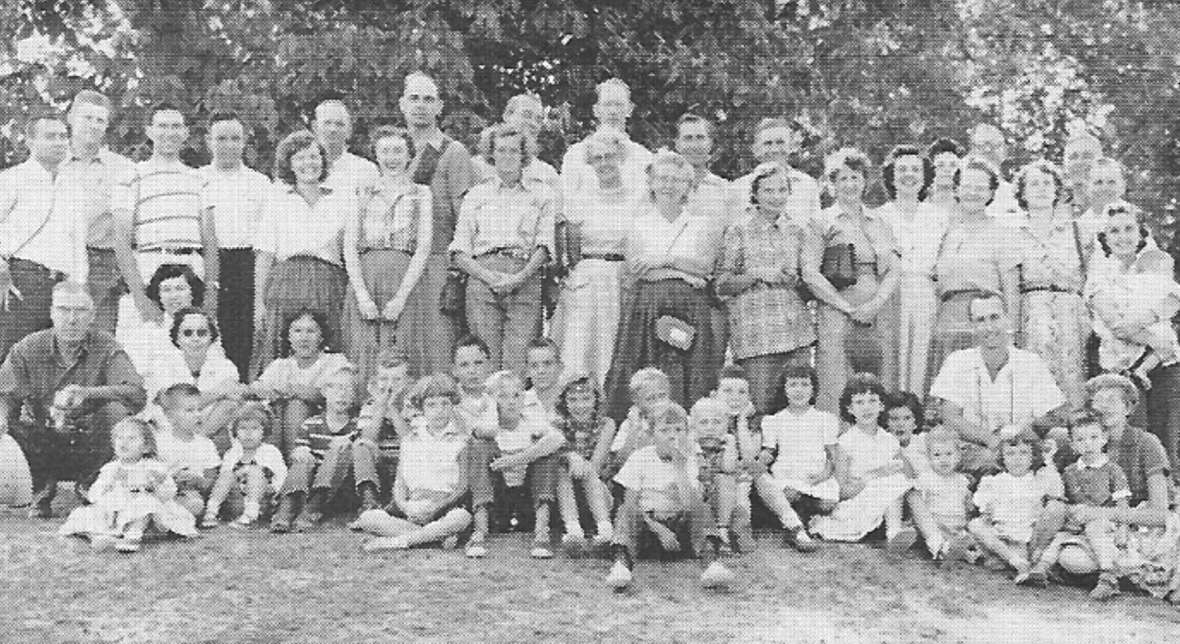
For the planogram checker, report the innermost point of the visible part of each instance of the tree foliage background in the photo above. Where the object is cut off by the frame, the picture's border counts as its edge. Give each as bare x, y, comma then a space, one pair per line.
868, 73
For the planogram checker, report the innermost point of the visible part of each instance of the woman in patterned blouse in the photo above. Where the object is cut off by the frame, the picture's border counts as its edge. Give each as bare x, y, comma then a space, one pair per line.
769, 324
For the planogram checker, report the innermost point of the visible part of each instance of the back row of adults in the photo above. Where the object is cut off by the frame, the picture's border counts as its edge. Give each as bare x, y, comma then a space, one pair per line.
647, 259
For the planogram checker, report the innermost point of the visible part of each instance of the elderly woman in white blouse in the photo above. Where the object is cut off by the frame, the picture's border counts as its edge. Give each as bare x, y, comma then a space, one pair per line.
298, 254
667, 311
595, 231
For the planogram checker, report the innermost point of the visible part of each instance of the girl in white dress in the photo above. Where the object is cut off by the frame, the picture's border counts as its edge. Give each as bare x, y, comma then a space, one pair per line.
132, 493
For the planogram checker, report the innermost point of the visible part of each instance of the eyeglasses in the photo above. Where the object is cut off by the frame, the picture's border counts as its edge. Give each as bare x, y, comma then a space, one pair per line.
200, 333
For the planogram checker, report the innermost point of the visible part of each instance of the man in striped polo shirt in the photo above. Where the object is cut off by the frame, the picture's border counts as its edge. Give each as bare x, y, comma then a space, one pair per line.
160, 220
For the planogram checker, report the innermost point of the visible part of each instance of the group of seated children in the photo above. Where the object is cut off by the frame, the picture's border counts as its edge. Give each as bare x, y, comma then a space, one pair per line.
475, 451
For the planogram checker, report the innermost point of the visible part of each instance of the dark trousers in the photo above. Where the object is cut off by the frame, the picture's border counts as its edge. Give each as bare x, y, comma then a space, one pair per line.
73, 454
488, 489
31, 312
105, 283
1160, 409
235, 305
692, 527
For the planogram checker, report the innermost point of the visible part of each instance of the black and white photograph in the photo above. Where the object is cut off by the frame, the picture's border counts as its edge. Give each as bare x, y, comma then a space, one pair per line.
809, 321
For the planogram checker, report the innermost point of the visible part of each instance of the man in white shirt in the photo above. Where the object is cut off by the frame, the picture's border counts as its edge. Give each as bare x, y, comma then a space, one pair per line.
332, 126
992, 390
711, 196
526, 112
987, 143
775, 140
40, 242
612, 110
159, 219
100, 172
235, 198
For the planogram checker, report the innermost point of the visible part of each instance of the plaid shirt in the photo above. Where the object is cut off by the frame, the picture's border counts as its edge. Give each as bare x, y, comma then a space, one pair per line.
765, 319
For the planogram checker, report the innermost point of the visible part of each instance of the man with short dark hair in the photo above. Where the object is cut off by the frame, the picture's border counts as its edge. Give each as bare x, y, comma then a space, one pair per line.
711, 195
41, 242
61, 391
445, 165
235, 197
993, 388
159, 220
99, 171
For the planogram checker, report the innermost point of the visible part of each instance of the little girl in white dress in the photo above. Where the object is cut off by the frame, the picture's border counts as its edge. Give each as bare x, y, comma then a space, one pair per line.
132, 493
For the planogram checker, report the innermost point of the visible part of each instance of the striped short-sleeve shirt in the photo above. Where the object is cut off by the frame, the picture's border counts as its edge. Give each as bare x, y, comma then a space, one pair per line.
165, 201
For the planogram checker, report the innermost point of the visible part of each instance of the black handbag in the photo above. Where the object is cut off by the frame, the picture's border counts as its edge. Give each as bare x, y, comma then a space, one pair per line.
452, 299
839, 265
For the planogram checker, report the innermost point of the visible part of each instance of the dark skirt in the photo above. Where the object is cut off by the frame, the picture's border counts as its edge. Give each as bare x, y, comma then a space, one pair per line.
383, 272
294, 284
692, 373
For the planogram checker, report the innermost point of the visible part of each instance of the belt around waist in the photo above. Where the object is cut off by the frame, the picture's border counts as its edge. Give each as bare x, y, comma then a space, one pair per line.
161, 250
1051, 288
606, 257
970, 292
512, 253
370, 249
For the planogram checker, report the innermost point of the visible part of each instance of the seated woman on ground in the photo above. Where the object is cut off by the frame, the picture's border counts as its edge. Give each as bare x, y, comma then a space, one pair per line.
431, 478
293, 383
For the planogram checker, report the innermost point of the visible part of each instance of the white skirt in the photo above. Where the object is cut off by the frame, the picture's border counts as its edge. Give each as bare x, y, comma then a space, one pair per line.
860, 515
589, 317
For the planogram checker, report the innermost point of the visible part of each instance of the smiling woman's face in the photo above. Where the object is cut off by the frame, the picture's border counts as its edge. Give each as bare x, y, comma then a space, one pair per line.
1122, 234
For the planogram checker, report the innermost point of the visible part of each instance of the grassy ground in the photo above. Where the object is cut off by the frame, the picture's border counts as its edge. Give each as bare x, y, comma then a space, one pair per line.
234, 586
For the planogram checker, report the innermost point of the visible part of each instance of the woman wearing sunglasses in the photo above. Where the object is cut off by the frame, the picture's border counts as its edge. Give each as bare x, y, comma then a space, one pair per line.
197, 358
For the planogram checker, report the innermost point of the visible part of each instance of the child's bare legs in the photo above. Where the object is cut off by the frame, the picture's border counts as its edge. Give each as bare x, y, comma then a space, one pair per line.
986, 533
779, 501
256, 487
1049, 522
221, 489
927, 525
567, 506
598, 497
541, 530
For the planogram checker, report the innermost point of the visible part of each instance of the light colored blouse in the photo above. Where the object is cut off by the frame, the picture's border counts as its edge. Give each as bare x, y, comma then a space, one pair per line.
975, 256
494, 216
388, 216
1054, 259
603, 218
872, 239
290, 227
917, 237
653, 238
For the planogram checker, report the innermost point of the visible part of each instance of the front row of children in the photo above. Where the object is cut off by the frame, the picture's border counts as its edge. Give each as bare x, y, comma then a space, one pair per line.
465, 444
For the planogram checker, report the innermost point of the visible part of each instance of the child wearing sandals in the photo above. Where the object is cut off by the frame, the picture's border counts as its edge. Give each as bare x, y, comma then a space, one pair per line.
523, 450
588, 435
1093, 481
431, 478
869, 470
131, 494
252, 471
799, 444
662, 502
941, 500
1011, 501
720, 472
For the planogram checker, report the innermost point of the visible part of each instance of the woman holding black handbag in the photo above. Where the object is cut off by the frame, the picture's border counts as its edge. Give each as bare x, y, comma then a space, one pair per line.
666, 313
851, 265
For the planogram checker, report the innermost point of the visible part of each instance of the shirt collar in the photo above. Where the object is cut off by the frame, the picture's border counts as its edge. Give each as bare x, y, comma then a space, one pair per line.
1102, 461
85, 349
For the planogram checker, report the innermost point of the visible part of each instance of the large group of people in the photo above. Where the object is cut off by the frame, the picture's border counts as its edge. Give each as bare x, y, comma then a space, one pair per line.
628, 346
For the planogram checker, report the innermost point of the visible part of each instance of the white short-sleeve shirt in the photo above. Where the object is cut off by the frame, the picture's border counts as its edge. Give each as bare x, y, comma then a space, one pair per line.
238, 198
1015, 502
801, 440
865, 452
946, 497
291, 227
268, 456
655, 479
196, 454
1022, 390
